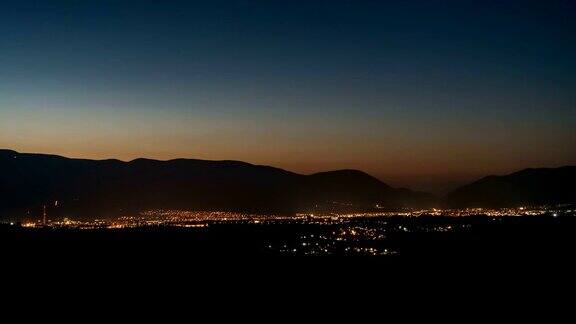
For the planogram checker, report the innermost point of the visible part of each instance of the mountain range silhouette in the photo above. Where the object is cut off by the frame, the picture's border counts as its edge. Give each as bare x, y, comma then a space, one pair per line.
543, 186
109, 188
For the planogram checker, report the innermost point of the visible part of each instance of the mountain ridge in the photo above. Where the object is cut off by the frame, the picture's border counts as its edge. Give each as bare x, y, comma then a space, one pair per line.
100, 188
530, 186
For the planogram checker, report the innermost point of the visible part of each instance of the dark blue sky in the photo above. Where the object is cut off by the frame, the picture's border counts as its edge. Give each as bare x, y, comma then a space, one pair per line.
402, 89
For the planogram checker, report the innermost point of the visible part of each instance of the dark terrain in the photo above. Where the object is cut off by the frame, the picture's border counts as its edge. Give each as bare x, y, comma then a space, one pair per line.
88, 188
109, 188
527, 187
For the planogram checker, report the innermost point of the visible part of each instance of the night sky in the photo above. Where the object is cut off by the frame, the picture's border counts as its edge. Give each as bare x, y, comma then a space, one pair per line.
421, 94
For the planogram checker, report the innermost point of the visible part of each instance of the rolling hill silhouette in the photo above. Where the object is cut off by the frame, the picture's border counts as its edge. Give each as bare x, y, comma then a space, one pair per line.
526, 187
107, 188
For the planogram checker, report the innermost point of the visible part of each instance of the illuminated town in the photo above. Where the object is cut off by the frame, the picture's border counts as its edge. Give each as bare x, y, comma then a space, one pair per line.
375, 233
182, 218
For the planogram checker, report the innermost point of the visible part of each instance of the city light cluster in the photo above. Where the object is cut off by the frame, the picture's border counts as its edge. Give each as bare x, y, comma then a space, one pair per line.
495, 212
198, 219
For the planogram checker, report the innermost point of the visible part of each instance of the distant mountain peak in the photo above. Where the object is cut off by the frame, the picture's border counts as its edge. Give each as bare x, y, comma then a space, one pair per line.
534, 186
101, 188
348, 173
7, 152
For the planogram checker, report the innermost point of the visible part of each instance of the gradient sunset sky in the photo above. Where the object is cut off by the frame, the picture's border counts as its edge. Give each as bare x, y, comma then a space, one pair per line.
417, 93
